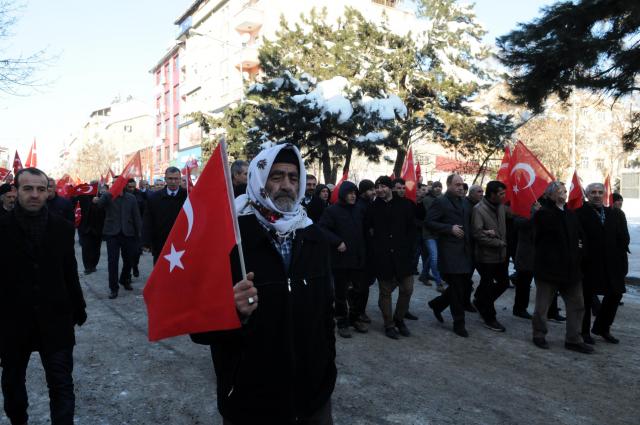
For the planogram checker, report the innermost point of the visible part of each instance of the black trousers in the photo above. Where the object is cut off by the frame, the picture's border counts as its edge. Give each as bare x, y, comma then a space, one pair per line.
58, 368
453, 297
494, 280
523, 289
348, 285
606, 314
115, 245
91, 245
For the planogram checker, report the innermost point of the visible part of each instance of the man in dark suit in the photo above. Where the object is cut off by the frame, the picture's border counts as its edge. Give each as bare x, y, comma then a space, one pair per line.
450, 218
59, 205
161, 212
90, 232
40, 300
121, 231
141, 198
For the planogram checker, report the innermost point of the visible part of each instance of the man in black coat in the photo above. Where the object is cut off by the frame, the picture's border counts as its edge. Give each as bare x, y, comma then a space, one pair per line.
343, 226
360, 299
605, 263
90, 232
450, 219
391, 223
8, 195
280, 367
141, 199
40, 300
557, 239
59, 205
161, 212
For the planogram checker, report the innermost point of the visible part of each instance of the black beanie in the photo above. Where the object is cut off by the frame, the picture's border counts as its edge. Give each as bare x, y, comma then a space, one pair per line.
365, 185
385, 181
5, 188
288, 156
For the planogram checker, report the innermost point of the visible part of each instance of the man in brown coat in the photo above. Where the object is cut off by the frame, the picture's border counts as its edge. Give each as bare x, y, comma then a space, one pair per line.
488, 222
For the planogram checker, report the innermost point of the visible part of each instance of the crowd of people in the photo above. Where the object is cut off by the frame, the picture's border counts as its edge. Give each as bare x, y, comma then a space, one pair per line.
311, 264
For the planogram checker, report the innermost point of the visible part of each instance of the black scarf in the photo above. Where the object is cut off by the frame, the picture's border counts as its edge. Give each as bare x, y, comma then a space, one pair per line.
34, 225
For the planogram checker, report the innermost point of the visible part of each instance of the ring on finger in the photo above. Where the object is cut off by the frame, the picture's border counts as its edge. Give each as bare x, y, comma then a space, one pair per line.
251, 300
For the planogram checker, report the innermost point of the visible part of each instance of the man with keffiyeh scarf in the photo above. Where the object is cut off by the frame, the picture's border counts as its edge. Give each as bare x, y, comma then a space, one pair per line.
279, 368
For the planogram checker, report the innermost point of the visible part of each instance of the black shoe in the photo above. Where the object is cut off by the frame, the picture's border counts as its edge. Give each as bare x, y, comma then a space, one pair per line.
344, 332
402, 328
364, 318
606, 336
461, 331
540, 342
136, 272
436, 313
360, 327
588, 340
410, 316
88, 271
522, 314
127, 286
113, 295
558, 318
494, 325
579, 347
424, 280
391, 333
470, 308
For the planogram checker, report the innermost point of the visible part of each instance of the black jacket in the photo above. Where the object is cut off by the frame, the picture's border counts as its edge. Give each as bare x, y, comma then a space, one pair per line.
605, 261
393, 236
40, 294
343, 223
455, 256
159, 216
92, 216
281, 364
141, 198
557, 240
62, 207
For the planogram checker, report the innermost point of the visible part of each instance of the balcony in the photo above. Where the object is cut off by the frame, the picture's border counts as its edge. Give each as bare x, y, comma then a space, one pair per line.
247, 57
249, 19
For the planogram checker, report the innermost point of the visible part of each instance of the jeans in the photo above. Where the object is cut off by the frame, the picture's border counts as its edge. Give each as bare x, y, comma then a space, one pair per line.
58, 368
421, 253
494, 280
572, 295
405, 289
431, 246
128, 246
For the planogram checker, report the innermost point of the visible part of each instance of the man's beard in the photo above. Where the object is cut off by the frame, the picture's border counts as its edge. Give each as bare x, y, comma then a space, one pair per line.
284, 201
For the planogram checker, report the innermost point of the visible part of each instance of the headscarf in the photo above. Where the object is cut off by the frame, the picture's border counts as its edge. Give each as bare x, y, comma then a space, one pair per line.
257, 202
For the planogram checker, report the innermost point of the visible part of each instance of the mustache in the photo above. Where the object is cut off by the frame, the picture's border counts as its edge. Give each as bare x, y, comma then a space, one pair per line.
284, 194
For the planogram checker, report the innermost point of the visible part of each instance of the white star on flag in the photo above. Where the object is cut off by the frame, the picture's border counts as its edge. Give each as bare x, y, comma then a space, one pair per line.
174, 259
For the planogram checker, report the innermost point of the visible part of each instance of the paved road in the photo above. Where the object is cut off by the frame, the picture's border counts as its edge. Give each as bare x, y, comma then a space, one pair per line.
433, 377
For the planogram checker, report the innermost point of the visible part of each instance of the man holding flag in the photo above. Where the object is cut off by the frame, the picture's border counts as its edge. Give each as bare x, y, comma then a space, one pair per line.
280, 366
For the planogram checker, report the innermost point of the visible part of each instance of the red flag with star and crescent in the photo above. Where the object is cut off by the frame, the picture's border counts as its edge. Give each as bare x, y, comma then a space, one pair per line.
576, 193
4, 174
608, 193
190, 288
528, 179
84, 189
133, 169
17, 163
62, 186
32, 158
409, 176
77, 216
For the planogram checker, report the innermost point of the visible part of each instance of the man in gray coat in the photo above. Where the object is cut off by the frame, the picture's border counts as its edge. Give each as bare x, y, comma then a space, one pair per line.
450, 218
122, 230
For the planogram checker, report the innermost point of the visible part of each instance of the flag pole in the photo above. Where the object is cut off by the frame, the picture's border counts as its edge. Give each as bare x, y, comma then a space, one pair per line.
232, 205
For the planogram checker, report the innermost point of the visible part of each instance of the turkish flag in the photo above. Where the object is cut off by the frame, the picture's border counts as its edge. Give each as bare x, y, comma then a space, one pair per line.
336, 190
409, 176
133, 169
191, 164
85, 189
190, 289
503, 172
528, 179
576, 193
32, 158
110, 176
419, 173
608, 193
4, 173
77, 215
62, 186
17, 164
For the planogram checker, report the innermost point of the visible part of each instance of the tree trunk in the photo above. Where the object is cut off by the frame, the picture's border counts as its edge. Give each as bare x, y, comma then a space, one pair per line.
482, 169
326, 162
347, 160
401, 153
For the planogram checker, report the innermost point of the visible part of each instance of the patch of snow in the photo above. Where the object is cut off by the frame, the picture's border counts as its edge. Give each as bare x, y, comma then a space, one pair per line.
385, 108
329, 98
267, 145
372, 137
278, 82
256, 88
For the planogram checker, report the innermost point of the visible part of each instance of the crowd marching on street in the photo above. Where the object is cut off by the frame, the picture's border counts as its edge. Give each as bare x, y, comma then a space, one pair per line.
311, 257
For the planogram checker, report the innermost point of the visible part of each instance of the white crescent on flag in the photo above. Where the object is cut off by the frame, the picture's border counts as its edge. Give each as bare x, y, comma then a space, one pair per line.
529, 170
188, 211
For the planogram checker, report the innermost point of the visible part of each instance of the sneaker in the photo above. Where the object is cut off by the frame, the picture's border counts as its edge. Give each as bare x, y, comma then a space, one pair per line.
344, 332
522, 314
436, 313
540, 342
402, 328
494, 325
360, 327
391, 332
558, 318
579, 347
410, 316
461, 331
364, 318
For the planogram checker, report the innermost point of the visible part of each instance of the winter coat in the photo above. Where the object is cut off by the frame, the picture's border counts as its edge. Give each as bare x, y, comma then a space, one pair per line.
92, 217
525, 250
316, 206
605, 261
62, 207
281, 364
455, 255
393, 237
160, 214
489, 249
427, 203
557, 240
121, 215
343, 223
40, 294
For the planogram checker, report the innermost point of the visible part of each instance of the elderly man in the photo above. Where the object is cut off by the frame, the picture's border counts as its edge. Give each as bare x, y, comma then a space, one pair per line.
58, 205
40, 300
239, 176
557, 239
605, 263
450, 219
280, 367
8, 195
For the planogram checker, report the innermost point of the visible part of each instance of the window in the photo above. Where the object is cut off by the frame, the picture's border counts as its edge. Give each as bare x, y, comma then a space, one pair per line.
166, 153
600, 163
584, 163
157, 77
176, 99
128, 128
176, 70
159, 155
176, 132
166, 128
158, 129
